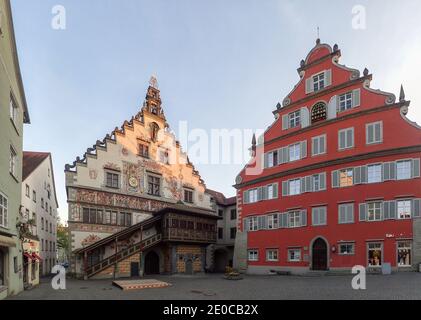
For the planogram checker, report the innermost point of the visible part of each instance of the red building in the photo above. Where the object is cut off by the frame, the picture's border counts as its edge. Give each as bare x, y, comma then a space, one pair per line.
339, 183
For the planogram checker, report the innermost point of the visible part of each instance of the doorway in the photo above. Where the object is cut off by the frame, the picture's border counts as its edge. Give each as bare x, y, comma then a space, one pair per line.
189, 266
152, 263
319, 255
134, 269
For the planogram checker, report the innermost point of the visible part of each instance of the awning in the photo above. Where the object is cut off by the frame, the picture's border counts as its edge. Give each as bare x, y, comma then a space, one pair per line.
28, 256
36, 257
7, 241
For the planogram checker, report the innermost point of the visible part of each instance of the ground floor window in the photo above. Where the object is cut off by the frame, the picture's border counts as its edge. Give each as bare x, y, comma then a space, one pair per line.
253, 255
404, 253
1, 268
272, 255
346, 248
294, 255
375, 254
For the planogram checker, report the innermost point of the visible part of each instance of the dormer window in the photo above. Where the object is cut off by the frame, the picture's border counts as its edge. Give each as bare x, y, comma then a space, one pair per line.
318, 82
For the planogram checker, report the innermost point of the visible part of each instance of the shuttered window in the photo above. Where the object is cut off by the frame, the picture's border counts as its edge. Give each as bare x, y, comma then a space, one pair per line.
319, 216
297, 219
345, 101
375, 211
295, 152
294, 119
318, 145
374, 132
346, 213
346, 139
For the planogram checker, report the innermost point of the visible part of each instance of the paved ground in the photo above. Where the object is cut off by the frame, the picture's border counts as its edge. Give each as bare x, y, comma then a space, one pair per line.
214, 287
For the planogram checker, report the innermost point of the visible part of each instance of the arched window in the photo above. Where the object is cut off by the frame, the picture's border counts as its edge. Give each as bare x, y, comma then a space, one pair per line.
318, 112
154, 131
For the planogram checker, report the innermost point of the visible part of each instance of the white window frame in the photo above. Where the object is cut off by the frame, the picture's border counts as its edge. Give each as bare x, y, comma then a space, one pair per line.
253, 195
318, 138
14, 110
316, 211
380, 209
407, 204
346, 147
253, 223
378, 168
294, 219
347, 220
13, 161
373, 124
294, 119
294, 151
297, 257
319, 81
346, 171
272, 255
252, 255
347, 253
294, 187
406, 170
273, 221
4, 211
344, 99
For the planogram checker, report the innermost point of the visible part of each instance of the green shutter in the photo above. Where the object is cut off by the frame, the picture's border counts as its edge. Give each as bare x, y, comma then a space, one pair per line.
363, 211
356, 97
246, 197
335, 179
285, 189
309, 85
328, 77
285, 122
275, 190
416, 208
415, 168
303, 149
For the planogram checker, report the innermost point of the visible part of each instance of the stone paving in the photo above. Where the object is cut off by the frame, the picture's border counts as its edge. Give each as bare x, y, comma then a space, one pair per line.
406, 285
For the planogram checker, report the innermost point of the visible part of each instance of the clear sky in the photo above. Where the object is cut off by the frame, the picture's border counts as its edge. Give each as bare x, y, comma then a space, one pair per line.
220, 64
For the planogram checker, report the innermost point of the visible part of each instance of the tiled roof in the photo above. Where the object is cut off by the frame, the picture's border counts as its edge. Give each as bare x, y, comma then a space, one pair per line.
220, 198
31, 161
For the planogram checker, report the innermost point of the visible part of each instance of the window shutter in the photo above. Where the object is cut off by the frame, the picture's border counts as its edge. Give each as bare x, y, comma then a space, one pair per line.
350, 213
364, 174
386, 210
357, 175
315, 146
386, 171
350, 138
285, 188
416, 208
393, 210
275, 191
322, 179
309, 85
335, 179
342, 214
260, 225
378, 132
342, 139
246, 225
285, 122
322, 144
328, 77
303, 185
265, 193
309, 184
393, 171
259, 194
305, 117
303, 147
284, 153
356, 98
265, 160
323, 215
315, 216
246, 197
332, 108
363, 211
415, 168
370, 133
283, 220
303, 218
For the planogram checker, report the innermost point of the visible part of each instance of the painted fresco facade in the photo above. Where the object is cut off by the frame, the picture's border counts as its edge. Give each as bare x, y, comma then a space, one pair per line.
134, 172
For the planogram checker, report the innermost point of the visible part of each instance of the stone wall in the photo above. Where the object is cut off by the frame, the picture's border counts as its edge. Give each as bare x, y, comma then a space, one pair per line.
184, 253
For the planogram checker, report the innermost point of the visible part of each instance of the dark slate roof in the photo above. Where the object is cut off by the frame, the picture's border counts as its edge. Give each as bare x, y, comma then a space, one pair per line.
220, 198
31, 161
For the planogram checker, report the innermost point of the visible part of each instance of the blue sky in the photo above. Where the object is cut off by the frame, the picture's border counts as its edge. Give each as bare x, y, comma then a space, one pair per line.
220, 64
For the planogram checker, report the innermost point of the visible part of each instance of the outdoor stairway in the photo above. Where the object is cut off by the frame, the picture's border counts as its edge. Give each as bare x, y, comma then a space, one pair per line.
123, 254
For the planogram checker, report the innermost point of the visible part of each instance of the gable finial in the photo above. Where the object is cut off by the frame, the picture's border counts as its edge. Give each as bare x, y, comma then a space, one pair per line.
402, 95
153, 82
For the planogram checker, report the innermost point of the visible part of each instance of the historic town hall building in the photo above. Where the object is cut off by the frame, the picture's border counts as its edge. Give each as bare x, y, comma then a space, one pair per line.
339, 183
136, 203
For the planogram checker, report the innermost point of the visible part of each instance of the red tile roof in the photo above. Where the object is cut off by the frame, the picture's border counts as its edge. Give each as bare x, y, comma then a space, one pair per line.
31, 161
220, 198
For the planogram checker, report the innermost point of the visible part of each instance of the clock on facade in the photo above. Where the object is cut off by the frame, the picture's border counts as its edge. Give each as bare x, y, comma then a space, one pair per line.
133, 182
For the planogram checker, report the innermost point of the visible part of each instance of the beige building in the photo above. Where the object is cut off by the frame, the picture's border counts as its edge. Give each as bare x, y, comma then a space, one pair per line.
137, 184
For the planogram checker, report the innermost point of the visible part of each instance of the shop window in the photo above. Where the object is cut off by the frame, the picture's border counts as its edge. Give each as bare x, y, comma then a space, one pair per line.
375, 254
404, 254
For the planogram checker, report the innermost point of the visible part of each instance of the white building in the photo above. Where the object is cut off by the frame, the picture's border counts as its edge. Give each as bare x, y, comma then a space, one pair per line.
39, 205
